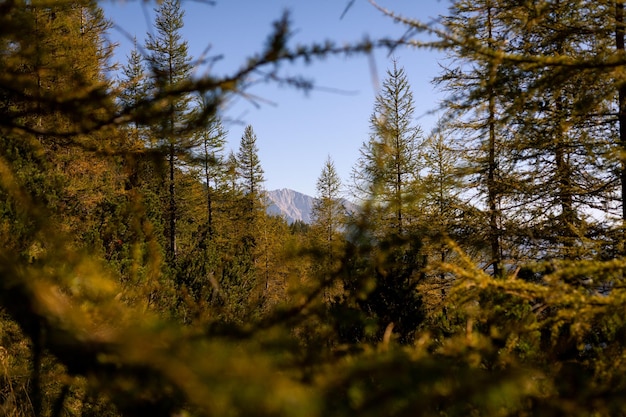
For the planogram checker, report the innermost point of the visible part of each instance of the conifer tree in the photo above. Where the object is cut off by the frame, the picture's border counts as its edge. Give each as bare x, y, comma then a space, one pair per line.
477, 116
231, 176
329, 215
328, 210
213, 140
170, 65
533, 163
53, 87
232, 197
558, 153
249, 167
387, 181
389, 165
207, 231
247, 214
134, 88
209, 158
445, 216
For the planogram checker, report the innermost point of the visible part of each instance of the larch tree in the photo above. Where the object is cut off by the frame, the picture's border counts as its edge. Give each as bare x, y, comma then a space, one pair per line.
559, 154
328, 210
205, 218
554, 161
388, 168
329, 215
53, 93
386, 179
474, 103
133, 88
445, 216
232, 197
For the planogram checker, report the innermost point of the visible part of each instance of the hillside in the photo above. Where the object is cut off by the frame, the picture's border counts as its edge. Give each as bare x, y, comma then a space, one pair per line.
290, 204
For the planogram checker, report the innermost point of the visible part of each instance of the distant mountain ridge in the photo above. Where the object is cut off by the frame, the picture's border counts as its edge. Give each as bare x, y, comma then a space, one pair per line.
294, 206
291, 205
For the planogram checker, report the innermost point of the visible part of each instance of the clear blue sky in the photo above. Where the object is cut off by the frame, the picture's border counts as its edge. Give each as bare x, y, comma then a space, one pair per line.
296, 132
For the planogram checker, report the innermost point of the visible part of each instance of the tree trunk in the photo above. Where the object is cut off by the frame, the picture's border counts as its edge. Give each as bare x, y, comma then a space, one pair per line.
492, 191
621, 115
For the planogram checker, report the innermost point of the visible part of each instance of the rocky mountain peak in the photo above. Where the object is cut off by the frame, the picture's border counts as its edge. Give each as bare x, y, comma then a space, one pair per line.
290, 204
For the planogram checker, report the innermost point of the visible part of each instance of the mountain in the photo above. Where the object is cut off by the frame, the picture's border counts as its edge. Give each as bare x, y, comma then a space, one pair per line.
290, 204
294, 206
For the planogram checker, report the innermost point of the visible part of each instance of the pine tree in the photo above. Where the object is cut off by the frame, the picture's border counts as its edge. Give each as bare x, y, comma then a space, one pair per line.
232, 200
134, 90
205, 220
170, 65
231, 177
249, 168
133, 98
213, 140
209, 158
252, 208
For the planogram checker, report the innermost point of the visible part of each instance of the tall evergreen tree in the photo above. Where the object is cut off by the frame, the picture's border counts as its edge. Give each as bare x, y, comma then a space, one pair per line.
250, 214
134, 89
566, 148
249, 167
329, 215
328, 210
387, 180
477, 116
133, 86
445, 216
231, 176
213, 140
170, 65
232, 197
534, 163
389, 165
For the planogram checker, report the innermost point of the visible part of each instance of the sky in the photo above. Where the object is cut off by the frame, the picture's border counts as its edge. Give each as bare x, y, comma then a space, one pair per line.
296, 131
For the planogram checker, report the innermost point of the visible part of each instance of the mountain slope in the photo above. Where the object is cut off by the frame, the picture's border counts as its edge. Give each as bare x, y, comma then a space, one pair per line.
290, 204
294, 206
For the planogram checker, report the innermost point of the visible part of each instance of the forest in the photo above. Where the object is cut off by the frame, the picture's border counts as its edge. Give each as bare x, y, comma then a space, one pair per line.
483, 273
